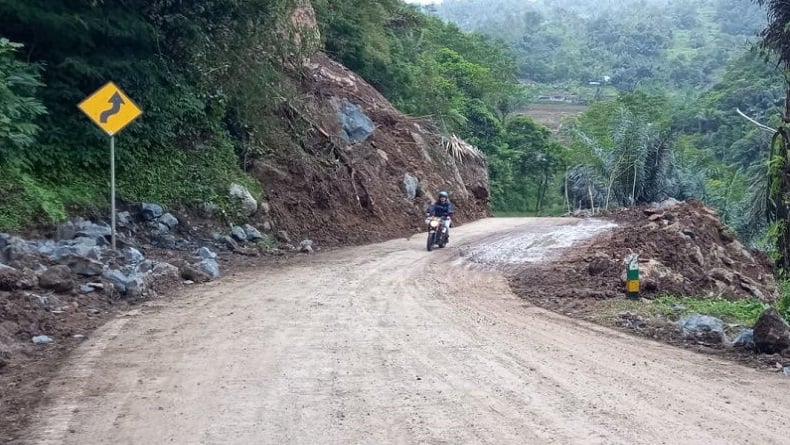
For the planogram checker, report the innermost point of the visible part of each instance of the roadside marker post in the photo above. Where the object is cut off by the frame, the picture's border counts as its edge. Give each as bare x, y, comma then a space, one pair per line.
632, 277
111, 110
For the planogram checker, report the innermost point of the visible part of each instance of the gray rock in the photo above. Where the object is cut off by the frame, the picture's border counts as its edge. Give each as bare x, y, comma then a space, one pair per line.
267, 227
124, 219
165, 271
703, 328
133, 256
745, 339
166, 241
17, 249
84, 266
63, 254
786, 371
42, 339
151, 212
87, 289
66, 231
252, 233
4, 237
306, 246
47, 248
243, 196
410, 186
88, 229
265, 207
145, 266
206, 254
193, 273
136, 285
238, 233
57, 278
210, 267
169, 220
355, 125
668, 204
117, 279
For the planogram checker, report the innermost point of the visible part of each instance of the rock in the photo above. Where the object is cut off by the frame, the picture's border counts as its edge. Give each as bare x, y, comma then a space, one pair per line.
4, 237
211, 267
124, 219
771, 333
117, 279
133, 256
410, 186
283, 237
252, 233
751, 286
206, 254
66, 231
194, 273
93, 231
87, 289
655, 217
355, 125
689, 233
238, 233
151, 212
42, 339
267, 227
63, 254
306, 246
136, 285
169, 220
17, 249
703, 328
786, 371
9, 278
84, 266
57, 278
166, 241
697, 256
47, 248
230, 243
165, 271
745, 339
723, 275
245, 198
265, 207
726, 236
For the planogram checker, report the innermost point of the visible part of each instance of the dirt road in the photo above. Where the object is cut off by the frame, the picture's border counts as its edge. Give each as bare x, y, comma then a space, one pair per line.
389, 344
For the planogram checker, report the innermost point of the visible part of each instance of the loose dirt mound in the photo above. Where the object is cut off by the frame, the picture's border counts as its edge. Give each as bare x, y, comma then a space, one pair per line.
683, 250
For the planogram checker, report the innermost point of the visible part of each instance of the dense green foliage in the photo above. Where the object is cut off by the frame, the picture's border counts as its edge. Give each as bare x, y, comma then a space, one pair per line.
678, 43
742, 312
210, 78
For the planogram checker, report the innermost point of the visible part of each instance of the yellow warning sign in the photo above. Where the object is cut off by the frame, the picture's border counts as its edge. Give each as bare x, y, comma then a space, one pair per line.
110, 109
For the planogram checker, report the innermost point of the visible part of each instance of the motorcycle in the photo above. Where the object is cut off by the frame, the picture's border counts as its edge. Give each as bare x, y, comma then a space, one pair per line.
437, 233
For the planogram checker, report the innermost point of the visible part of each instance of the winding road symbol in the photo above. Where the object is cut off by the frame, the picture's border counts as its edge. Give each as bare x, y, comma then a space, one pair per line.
116, 100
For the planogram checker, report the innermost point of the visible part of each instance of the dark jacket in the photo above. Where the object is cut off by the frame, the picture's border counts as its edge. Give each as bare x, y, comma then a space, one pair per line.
441, 210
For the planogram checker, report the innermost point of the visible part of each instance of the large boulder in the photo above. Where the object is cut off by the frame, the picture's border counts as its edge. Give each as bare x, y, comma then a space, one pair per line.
85, 267
355, 125
240, 194
771, 333
411, 186
57, 278
169, 220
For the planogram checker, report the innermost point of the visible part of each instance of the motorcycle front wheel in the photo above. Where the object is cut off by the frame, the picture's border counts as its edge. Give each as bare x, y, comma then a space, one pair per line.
431, 238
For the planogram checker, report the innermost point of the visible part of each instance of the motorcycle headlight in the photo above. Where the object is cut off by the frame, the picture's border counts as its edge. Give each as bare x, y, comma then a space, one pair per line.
434, 223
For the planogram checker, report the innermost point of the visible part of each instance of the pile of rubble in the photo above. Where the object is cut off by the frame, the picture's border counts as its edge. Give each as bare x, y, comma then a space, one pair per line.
683, 249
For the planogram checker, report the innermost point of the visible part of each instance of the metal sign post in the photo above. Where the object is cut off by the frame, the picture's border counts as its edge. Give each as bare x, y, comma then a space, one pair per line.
111, 110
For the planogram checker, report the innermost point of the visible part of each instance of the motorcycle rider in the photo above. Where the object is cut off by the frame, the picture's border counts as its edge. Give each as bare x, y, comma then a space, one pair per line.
442, 208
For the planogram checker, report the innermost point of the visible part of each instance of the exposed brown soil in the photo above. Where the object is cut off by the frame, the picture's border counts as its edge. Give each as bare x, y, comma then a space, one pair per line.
340, 193
684, 250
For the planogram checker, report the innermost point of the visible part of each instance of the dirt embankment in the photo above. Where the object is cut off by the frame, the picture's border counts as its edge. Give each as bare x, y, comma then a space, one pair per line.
683, 249
364, 171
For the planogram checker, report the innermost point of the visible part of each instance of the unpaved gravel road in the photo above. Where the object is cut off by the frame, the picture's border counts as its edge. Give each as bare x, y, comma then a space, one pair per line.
389, 344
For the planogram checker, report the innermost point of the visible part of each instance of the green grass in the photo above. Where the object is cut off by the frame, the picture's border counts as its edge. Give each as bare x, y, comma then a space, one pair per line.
742, 312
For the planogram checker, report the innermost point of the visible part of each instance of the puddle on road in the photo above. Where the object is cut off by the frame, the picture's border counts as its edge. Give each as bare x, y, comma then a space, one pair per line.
533, 244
